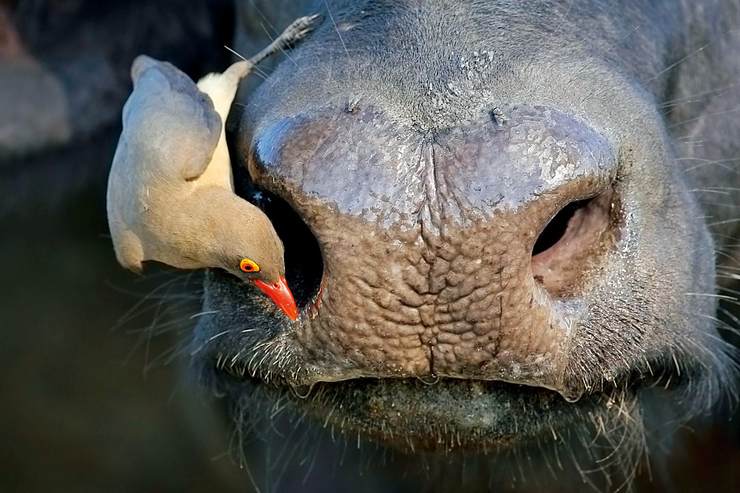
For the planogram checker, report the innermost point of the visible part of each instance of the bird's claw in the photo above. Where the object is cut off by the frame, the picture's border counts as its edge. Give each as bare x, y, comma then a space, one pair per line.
300, 27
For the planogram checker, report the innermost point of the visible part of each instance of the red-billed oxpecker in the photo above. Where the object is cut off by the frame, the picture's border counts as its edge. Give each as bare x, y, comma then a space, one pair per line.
170, 192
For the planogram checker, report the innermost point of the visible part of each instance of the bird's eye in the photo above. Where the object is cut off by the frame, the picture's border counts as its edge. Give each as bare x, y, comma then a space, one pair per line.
248, 265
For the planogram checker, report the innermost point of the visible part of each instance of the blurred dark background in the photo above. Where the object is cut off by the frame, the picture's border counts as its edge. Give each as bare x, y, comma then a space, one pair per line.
95, 396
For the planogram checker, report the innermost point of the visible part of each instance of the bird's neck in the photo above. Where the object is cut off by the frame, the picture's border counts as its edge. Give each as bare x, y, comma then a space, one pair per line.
206, 221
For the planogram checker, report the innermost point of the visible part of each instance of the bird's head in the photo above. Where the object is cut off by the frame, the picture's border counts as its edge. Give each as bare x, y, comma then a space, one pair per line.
254, 253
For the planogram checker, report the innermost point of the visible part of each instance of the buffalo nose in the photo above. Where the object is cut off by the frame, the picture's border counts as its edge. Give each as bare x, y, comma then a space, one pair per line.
459, 252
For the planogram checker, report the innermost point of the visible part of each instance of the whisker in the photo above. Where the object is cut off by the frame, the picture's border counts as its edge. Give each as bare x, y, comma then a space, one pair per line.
341, 39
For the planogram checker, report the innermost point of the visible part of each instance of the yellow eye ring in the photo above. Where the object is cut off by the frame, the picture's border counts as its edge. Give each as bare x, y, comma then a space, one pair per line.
248, 265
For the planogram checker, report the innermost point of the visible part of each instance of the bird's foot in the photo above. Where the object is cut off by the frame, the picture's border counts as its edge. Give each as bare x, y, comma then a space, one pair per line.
295, 32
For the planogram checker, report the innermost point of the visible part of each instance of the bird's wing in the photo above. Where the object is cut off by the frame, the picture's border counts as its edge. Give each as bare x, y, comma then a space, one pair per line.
171, 125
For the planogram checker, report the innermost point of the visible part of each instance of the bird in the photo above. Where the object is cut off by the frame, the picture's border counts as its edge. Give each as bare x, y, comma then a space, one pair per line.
170, 195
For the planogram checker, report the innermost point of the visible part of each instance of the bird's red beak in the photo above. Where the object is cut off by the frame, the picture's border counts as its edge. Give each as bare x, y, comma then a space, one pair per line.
281, 295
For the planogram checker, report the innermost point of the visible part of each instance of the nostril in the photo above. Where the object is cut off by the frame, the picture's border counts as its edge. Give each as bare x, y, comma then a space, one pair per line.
304, 266
557, 226
572, 244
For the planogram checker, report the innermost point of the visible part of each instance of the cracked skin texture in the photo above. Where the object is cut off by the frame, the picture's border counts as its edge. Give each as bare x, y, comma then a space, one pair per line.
427, 240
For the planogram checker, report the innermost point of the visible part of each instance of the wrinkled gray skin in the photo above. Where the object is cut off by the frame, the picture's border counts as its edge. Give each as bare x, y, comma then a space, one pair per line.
427, 145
